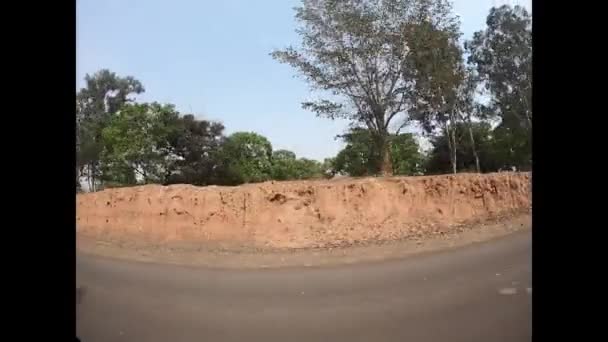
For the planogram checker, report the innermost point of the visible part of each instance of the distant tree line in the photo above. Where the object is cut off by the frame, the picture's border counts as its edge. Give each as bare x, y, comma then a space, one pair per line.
387, 65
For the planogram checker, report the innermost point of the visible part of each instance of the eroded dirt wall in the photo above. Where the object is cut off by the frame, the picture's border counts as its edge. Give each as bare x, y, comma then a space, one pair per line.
299, 214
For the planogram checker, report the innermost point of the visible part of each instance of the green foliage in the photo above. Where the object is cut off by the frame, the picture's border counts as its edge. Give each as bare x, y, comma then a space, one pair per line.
513, 147
502, 56
328, 167
435, 64
104, 94
136, 143
362, 157
308, 169
245, 157
284, 165
437, 68
359, 157
438, 161
283, 155
405, 152
196, 143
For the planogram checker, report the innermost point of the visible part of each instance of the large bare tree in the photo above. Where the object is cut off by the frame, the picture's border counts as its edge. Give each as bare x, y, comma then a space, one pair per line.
355, 51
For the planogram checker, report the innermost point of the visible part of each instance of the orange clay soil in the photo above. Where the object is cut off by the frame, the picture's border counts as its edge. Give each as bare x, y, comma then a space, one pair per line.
301, 214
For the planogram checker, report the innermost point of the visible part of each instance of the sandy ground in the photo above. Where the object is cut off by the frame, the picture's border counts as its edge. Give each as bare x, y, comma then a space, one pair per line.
218, 256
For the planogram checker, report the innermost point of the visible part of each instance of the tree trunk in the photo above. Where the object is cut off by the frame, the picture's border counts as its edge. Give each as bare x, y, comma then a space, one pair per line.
90, 176
472, 138
454, 155
94, 177
386, 166
78, 174
529, 120
451, 137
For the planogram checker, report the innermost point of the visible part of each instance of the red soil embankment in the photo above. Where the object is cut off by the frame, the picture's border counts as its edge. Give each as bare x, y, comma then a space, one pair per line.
299, 214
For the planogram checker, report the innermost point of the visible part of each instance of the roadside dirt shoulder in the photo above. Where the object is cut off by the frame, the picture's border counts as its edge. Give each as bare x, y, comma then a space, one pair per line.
223, 256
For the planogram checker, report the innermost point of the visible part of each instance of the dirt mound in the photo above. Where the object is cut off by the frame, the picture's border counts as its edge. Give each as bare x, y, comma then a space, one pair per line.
299, 214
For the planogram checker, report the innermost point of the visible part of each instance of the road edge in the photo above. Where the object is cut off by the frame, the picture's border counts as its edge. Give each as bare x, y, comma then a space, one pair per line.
311, 257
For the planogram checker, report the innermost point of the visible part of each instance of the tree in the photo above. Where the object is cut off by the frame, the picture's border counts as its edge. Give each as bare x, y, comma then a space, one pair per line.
439, 157
103, 95
328, 167
245, 157
280, 155
468, 108
355, 50
512, 147
362, 156
136, 144
197, 144
308, 169
405, 152
284, 165
502, 56
436, 66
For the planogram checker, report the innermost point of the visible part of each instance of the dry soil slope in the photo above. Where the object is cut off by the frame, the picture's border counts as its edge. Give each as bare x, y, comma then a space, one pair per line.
299, 214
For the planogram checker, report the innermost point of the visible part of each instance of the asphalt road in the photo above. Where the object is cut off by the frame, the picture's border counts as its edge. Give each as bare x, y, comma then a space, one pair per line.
477, 293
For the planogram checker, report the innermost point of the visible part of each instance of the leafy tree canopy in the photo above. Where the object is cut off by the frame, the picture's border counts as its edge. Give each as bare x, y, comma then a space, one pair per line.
135, 144
246, 157
362, 157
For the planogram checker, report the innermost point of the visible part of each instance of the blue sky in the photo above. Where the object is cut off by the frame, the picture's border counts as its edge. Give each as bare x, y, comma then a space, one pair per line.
211, 58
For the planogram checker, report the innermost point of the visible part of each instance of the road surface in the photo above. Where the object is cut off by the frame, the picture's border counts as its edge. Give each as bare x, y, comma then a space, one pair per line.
477, 293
